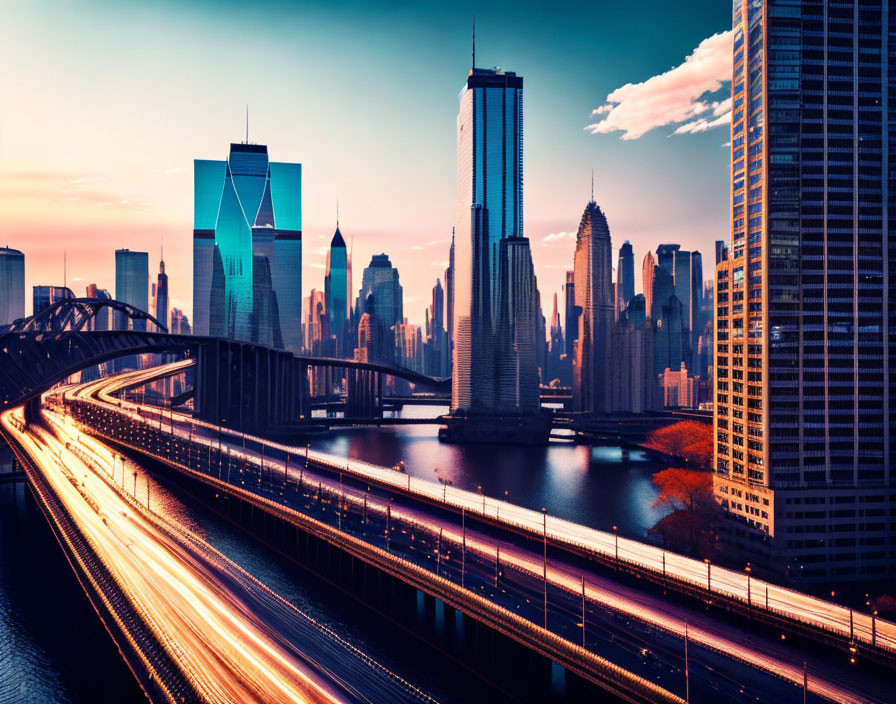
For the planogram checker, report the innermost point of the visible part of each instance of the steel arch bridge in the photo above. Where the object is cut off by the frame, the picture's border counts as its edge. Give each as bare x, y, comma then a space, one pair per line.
259, 384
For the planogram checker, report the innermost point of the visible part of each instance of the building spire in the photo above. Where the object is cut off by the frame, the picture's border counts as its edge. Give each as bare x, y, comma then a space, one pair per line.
592, 185
474, 41
337, 213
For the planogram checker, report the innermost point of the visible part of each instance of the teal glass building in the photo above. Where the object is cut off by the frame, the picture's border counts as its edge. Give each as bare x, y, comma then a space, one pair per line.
247, 248
336, 293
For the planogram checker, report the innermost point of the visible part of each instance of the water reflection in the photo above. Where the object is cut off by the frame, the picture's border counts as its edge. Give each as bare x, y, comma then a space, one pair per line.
599, 486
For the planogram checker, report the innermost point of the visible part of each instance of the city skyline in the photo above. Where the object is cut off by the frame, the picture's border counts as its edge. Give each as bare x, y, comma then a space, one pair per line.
151, 201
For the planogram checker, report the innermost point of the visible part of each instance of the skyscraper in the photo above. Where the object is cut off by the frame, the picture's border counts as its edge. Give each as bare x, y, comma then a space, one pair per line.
449, 294
489, 209
247, 248
805, 379
625, 277
593, 270
161, 311
336, 291
381, 279
132, 284
648, 275
103, 320
517, 381
12, 285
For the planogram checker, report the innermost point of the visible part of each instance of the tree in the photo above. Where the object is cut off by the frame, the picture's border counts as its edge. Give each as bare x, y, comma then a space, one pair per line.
689, 440
691, 526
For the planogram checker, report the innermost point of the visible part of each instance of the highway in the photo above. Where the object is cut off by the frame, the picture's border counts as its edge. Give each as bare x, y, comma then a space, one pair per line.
234, 640
835, 683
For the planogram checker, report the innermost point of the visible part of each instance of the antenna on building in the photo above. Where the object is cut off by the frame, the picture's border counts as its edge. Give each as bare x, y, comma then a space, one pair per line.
474, 41
247, 123
592, 185
337, 213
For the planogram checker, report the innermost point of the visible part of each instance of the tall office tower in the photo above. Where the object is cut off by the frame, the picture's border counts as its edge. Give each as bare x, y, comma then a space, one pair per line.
671, 345
665, 257
43, 297
625, 277
247, 248
381, 279
161, 311
541, 337
648, 274
632, 379
696, 295
594, 295
805, 380
663, 287
12, 285
449, 293
132, 284
517, 385
317, 328
408, 344
437, 347
489, 209
337, 294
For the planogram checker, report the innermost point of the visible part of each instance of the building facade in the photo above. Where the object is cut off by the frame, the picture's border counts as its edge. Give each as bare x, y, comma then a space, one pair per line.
805, 382
12, 285
489, 209
625, 277
132, 284
337, 293
247, 248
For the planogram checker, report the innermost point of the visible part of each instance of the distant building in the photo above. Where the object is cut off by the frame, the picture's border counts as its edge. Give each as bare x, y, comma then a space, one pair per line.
103, 320
556, 347
336, 291
180, 323
632, 379
247, 248
648, 274
679, 390
317, 327
161, 306
132, 285
381, 280
45, 296
594, 295
449, 296
625, 277
12, 285
437, 348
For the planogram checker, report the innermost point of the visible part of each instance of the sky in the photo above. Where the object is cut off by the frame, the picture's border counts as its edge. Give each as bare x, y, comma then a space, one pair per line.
104, 106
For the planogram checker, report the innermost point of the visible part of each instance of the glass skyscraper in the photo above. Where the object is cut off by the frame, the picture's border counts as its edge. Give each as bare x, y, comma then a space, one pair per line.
132, 284
489, 209
12, 285
805, 352
247, 248
381, 280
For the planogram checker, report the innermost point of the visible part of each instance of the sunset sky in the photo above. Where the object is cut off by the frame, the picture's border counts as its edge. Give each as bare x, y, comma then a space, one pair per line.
104, 106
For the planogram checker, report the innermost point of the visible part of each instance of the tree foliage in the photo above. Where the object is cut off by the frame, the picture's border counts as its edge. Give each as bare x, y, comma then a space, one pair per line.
691, 526
690, 440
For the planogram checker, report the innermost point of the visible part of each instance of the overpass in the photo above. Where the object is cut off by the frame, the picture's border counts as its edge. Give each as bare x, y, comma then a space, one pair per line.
490, 547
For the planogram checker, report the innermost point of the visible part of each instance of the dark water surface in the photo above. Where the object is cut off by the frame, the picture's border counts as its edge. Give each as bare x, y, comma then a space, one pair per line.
54, 649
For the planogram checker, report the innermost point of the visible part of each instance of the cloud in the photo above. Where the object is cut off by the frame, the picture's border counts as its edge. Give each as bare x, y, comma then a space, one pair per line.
557, 237
676, 96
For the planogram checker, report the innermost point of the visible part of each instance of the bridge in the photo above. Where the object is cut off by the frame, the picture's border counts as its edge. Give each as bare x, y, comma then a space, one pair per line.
497, 562
240, 384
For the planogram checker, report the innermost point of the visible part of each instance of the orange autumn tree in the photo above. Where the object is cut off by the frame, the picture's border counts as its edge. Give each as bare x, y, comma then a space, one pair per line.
690, 440
691, 526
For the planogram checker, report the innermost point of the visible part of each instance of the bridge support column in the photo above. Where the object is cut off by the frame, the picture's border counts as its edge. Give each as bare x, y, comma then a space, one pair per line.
32, 410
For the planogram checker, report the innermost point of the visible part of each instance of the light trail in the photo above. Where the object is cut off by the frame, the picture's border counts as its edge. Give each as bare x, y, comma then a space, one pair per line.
201, 607
703, 630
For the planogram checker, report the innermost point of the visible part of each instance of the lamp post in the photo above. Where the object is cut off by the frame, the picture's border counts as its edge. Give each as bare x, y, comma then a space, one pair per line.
708, 576
616, 539
748, 569
544, 515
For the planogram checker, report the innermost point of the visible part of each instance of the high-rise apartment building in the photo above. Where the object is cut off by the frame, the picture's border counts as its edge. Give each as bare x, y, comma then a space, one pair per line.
648, 274
489, 209
593, 269
247, 248
625, 277
336, 291
805, 385
12, 285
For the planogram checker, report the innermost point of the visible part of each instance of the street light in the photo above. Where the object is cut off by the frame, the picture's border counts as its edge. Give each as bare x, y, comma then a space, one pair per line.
479, 489
616, 539
748, 569
708, 582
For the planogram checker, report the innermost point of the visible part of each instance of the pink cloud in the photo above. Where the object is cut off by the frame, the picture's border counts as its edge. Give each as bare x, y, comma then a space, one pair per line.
675, 96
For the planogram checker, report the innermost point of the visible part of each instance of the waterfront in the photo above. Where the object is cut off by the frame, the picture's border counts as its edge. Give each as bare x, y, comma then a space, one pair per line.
598, 486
